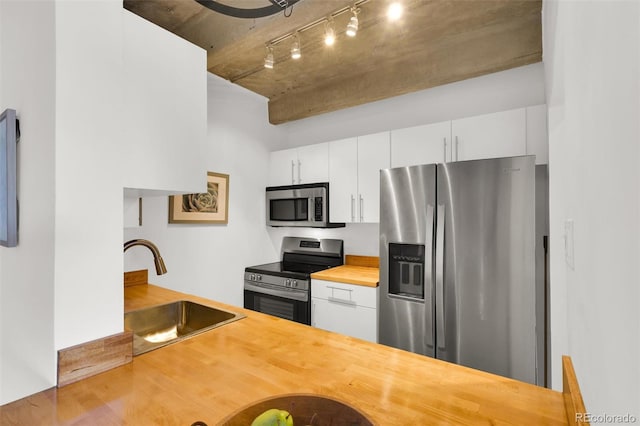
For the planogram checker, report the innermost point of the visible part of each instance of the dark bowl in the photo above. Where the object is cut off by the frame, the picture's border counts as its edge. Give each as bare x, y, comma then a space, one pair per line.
306, 409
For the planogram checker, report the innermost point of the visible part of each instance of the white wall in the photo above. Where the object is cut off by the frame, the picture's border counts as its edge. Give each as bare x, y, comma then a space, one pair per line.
209, 260
500, 91
89, 98
64, 65
27, 77
591, 58
130, 111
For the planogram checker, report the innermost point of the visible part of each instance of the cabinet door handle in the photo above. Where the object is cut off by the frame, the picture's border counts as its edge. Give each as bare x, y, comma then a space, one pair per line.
457, 148
293, 179
445, 150
361, 208
353, 208
299, 167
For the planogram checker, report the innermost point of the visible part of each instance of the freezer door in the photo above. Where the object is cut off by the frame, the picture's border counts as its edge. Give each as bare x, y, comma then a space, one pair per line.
485, 265
407, 223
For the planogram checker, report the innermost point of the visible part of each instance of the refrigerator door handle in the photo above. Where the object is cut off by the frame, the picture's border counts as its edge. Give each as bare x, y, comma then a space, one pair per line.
428, 276
440, 329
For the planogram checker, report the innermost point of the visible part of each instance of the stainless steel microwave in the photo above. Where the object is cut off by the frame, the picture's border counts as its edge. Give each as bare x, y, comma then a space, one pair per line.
299, 205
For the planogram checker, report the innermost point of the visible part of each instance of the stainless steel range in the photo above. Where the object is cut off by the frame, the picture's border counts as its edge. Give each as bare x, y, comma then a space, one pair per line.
282, 288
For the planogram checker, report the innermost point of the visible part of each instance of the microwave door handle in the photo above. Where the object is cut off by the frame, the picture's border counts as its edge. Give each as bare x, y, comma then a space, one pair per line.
311, 217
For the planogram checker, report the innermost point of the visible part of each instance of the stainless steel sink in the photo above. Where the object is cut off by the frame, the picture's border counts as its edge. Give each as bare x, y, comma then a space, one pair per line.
159, 326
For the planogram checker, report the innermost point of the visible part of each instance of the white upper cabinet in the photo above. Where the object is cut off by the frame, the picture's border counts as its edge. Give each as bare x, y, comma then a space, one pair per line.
501, 134
343, 180
313, 163
373, 155
421, 145
164, 110
282, 167
352, 166
537, 139
306, 164
354, 177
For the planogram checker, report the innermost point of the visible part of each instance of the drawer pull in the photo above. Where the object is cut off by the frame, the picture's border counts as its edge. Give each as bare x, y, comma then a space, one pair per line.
338, 288
341, 301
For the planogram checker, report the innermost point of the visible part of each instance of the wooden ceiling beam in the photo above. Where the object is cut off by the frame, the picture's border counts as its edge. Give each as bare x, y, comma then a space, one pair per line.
477, 52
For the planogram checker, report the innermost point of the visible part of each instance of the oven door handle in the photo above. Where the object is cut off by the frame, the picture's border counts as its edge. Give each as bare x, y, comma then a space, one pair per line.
299, 295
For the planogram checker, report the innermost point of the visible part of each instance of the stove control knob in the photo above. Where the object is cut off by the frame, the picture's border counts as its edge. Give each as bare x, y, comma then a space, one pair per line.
252, 277
259, 277
287, 283
294, 283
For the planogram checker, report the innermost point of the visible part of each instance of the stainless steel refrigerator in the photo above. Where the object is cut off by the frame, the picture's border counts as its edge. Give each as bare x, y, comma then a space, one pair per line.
457, 263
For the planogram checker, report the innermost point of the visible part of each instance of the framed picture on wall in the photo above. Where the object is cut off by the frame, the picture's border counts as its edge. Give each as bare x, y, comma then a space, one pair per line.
207, 207
9, 135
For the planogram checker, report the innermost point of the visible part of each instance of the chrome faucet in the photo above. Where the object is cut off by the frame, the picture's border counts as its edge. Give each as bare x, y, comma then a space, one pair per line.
157, 259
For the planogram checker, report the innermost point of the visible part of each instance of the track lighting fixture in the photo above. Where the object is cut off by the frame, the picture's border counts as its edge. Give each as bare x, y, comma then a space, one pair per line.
295, 47
268, 60
352, 26
329, 32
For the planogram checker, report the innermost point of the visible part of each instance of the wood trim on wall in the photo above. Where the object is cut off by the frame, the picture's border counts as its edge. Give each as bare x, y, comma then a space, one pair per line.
90, 358
136, 277
572, 396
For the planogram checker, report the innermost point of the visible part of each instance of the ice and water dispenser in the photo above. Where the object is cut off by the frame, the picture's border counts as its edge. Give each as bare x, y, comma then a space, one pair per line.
406, 270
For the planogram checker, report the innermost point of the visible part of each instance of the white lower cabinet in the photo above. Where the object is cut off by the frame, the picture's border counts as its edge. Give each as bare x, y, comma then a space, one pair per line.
345, 308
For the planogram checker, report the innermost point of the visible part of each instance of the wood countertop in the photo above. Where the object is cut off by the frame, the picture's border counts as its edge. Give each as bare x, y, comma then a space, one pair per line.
216, 373
360, 270
360, 275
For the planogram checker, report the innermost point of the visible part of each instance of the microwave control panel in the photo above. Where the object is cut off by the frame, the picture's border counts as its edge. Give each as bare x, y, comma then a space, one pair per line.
318, 209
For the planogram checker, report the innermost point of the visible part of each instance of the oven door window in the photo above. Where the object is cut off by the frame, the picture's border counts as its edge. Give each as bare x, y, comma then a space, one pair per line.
289, 210
281, 307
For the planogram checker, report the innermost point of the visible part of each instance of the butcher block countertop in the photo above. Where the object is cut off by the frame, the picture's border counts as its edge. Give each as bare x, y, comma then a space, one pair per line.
360, 275
211, 375
360, 270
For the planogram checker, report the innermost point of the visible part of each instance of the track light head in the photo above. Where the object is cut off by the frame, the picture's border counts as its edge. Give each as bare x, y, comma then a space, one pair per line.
329, 32
352, 26
268, 60
395, 11
295, 48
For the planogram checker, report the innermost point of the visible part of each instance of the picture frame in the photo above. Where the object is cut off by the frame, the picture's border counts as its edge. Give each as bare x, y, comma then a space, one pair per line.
9, 136
208, 207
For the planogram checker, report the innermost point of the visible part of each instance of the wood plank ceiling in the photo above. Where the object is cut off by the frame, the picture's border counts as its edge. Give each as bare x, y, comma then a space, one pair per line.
435, 42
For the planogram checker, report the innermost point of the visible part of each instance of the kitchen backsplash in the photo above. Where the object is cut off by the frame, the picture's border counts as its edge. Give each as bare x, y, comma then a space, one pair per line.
359, 238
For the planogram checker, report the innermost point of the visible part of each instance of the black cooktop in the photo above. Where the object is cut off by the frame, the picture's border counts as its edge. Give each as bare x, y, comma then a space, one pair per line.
287, 269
